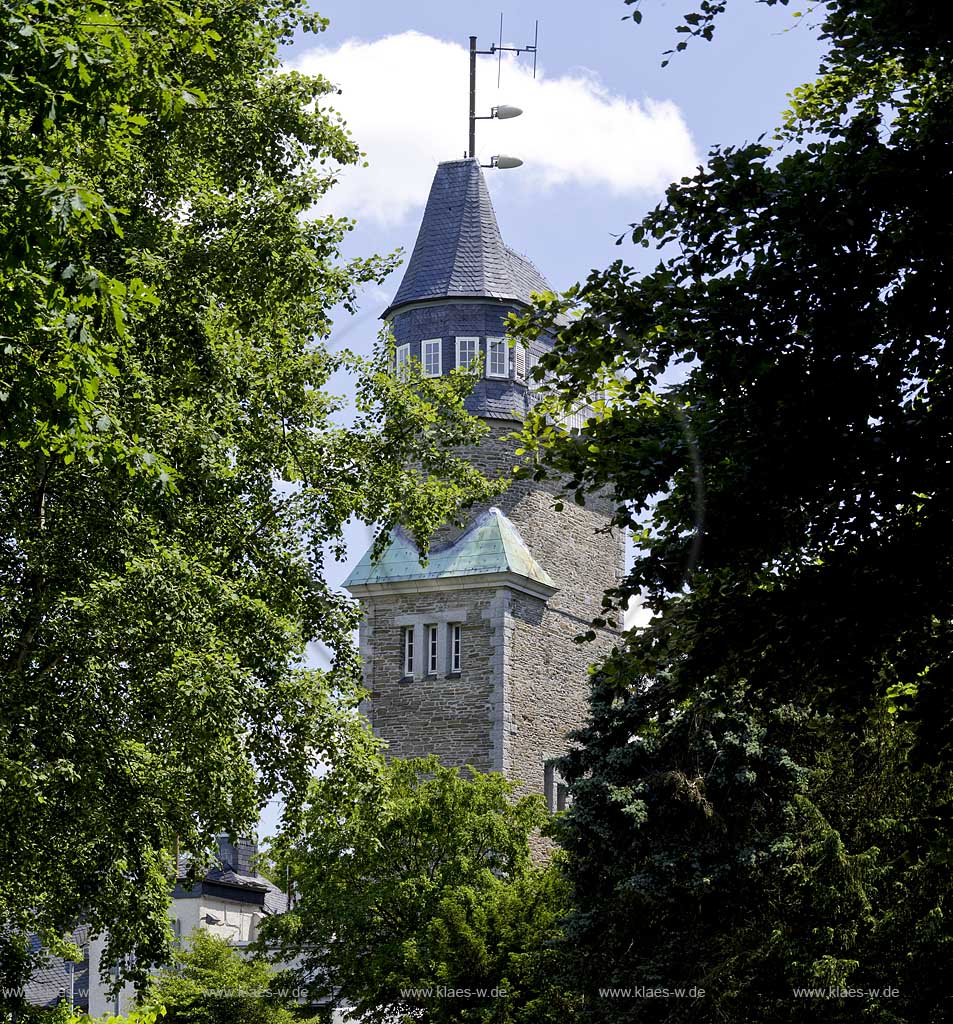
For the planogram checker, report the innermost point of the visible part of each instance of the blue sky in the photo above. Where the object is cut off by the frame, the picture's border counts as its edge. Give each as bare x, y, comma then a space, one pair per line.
604, 128
403, 72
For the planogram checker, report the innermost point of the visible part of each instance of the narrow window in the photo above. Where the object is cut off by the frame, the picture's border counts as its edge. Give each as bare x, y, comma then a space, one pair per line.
555, 790
519, 357
431, 357
432, 650
409, 651
467, 351
497, 357
403, 360
456, 638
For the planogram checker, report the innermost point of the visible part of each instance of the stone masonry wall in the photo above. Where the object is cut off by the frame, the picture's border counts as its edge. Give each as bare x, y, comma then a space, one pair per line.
547, 673
448, 715
524, 682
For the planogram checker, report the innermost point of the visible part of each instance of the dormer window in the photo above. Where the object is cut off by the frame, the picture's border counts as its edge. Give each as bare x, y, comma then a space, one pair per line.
497, 357
430, 352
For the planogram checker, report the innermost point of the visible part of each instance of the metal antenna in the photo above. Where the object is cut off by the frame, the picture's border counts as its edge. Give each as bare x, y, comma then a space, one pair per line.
473, 56
499, 57
499, 50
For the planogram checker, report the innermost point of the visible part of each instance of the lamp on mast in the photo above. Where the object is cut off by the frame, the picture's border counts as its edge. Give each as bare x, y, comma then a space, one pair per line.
502, 111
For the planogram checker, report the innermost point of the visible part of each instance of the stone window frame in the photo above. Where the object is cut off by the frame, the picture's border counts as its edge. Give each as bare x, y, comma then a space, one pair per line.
433, 649
432, 347
555, 789
416, 624
402, 361
494, 346
407, 647
462, 361
456, 647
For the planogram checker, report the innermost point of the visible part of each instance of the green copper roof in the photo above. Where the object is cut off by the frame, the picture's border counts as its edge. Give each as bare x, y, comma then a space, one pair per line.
490, 546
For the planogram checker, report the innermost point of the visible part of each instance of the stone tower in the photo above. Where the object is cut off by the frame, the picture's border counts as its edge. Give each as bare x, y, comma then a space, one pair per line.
472, 658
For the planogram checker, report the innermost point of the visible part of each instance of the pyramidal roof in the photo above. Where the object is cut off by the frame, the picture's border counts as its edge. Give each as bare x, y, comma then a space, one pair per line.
459, 250
490, 550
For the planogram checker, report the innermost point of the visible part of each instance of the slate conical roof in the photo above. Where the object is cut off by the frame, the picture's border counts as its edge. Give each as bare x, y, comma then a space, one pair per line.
459, 250
490, 548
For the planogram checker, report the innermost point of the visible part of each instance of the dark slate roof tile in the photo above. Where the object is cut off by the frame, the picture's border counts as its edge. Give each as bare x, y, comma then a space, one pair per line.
459, 251
50, 983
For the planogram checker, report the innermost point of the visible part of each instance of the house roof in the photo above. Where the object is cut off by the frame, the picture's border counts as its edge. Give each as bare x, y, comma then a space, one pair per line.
275, 899
226, 876
233, 878
459, 250
490, 550
55, 978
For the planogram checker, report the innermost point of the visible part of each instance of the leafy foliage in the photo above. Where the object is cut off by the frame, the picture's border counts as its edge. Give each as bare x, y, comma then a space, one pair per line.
211, 982
64, 1014
415, 899
173, 472
763, 795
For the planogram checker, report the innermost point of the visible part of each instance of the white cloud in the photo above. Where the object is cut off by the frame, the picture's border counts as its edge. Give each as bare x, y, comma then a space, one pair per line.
405, 99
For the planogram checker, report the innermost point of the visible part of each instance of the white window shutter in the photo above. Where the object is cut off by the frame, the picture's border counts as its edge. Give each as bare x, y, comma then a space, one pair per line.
520, 360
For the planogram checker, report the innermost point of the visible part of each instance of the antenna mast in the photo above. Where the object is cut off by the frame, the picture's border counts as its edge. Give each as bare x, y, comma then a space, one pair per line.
473, 56
499, 50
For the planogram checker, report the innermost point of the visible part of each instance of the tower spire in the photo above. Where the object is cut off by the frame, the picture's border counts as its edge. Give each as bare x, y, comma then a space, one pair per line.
459, 249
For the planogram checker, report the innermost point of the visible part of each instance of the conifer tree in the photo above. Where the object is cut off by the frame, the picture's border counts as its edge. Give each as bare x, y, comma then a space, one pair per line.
762, 794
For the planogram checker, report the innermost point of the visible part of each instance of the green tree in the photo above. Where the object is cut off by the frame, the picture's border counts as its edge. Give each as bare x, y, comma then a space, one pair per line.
756, 849
762, 793
211, 982
416, 884
64, 1014
173, 474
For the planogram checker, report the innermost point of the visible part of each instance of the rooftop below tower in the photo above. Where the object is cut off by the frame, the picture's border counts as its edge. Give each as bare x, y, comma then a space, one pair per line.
490, 552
